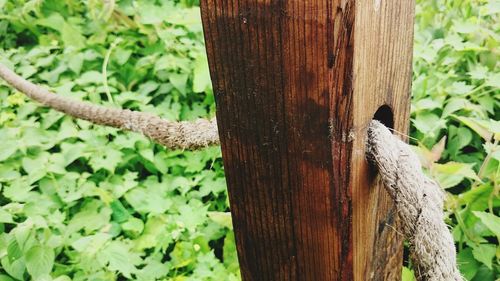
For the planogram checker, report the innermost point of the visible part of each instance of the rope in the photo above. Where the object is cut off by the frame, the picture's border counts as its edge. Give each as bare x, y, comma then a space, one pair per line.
419, 200
419, 203
183, 134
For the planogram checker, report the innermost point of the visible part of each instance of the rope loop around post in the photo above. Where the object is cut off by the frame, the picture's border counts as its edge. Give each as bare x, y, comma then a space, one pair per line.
419, 203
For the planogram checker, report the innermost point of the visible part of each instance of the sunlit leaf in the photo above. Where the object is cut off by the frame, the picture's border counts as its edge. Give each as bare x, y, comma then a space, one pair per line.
468, 265
476, 126
39, 261
490, 220
485, 254
452, 173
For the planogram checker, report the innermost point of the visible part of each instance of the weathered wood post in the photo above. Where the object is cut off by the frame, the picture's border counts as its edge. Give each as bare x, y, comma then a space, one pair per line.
296, 83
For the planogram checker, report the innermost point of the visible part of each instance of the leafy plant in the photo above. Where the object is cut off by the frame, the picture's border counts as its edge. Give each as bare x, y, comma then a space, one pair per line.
82, 202
455, 113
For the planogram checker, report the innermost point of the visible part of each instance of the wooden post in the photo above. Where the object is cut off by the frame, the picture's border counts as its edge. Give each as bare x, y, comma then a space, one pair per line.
296, 84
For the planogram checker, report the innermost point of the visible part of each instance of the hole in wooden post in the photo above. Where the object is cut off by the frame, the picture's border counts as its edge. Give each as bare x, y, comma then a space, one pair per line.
385, 116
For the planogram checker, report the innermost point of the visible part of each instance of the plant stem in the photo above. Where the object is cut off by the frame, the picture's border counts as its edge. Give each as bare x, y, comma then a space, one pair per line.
105, 68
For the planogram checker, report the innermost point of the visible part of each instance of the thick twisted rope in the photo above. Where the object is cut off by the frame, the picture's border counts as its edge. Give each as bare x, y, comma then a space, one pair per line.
419, 200
183, 134
419, 203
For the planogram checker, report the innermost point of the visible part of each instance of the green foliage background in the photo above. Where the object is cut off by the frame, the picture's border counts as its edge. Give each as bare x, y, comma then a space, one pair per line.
82, 202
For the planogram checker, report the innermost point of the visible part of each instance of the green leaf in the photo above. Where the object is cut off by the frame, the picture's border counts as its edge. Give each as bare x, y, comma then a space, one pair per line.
154, 270
8, 149
14, 251
485, 254
488, 103
183, 255
454, 105
19, 190
76, 63
154, 232
39, 261
5, 277
477, 198
222, 218
467, 264
5, 217
121, 55
71, 151
14, 268
148, 200
32, 165
408, 274
484, 274
120, 184
491, 221
460, 88
133, 227
428, 123
72, 186
91, 216
493, 80
148, 87
193, 215
150, 13
120, 258
179, 80
148, 154
90, 78
195, 161
492, 7
212, 185
201, 80
229, 252
461, 138
479, 72
465, 27
160, 162
72, 36
62, 278
120, 214
452, 173
476, 126
91, 245
106, 159
54, 21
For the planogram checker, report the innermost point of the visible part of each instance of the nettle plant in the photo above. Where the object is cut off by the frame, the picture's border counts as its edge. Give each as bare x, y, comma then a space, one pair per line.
82, 202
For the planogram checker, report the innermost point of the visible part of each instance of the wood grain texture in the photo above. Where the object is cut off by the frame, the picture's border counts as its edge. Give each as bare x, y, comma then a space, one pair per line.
296, 83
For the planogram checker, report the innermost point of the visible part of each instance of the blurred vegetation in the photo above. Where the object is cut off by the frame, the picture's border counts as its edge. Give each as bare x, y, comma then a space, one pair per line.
82, 202
455, 121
